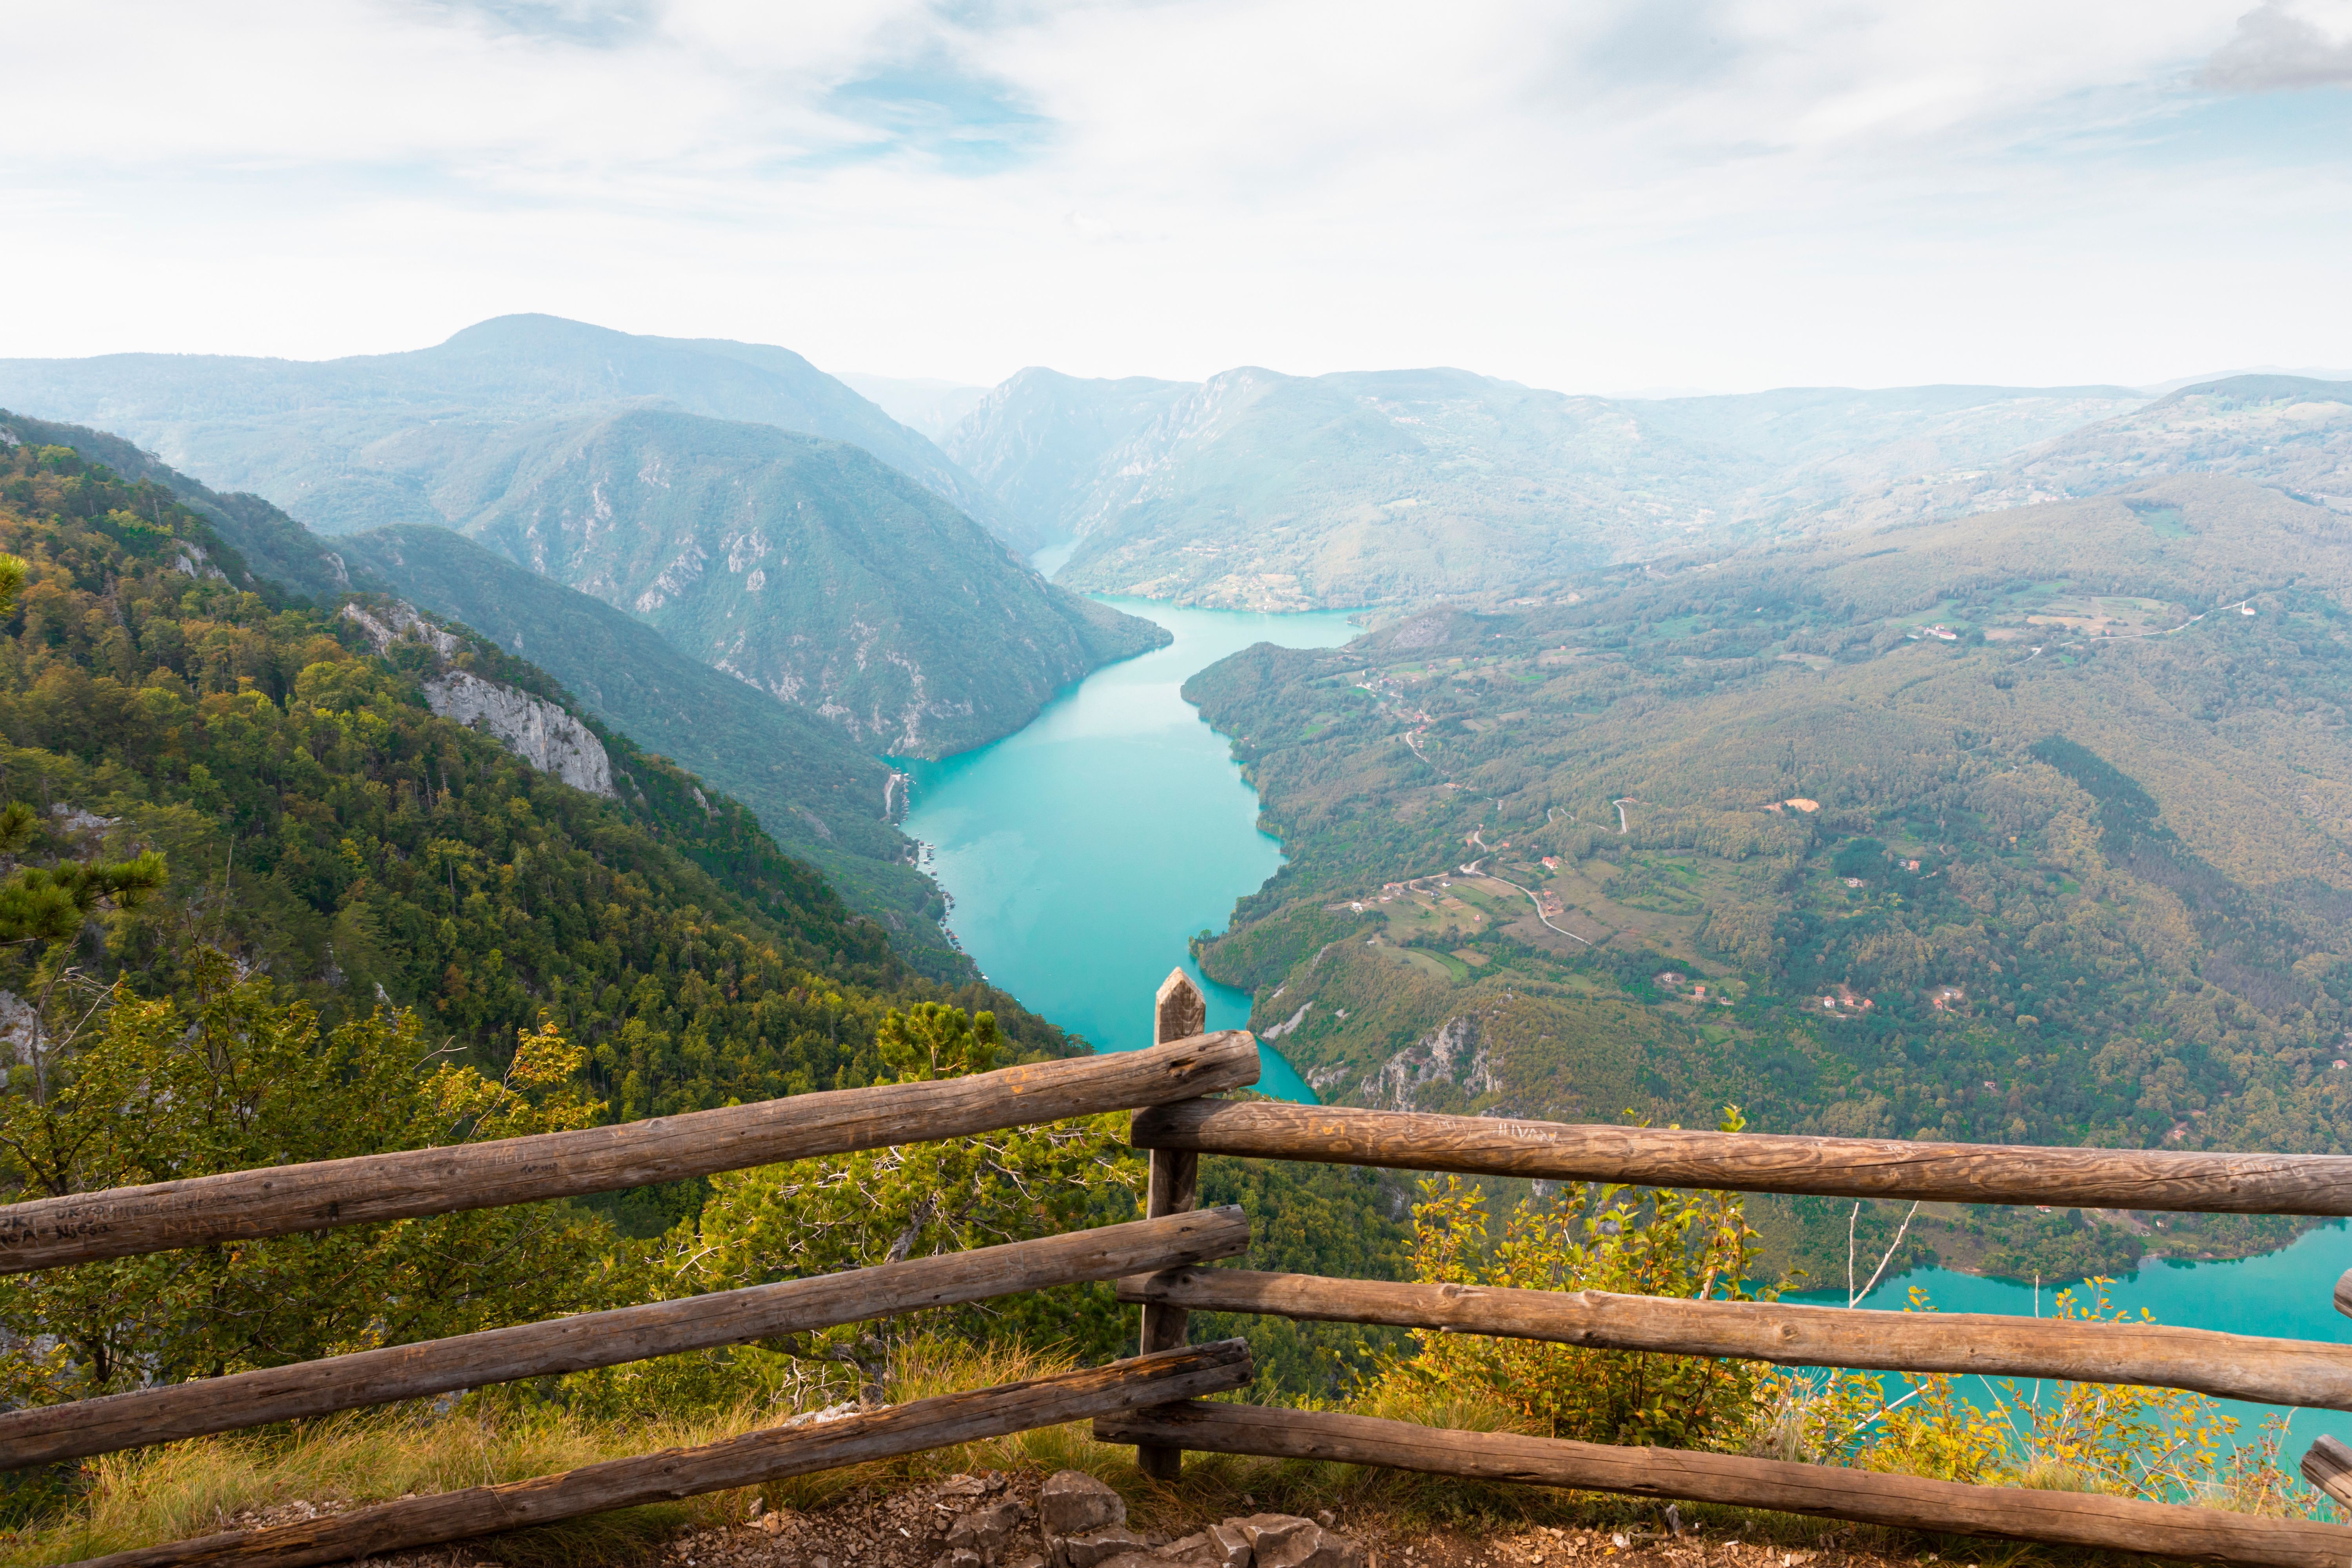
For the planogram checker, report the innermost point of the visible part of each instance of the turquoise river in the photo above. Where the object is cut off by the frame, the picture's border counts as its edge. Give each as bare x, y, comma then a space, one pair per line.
1084, 851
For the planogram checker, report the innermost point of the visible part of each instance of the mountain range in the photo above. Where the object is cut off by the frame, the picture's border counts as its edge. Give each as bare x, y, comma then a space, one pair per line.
346, 443
1269, 491
804, 567
1250, 488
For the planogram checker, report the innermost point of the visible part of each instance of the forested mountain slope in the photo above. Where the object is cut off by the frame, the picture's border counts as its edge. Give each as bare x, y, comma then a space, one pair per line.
351, 443
317, 817
814, 791
1284, 492
2015, 828
278, 551
803, 567
818, 796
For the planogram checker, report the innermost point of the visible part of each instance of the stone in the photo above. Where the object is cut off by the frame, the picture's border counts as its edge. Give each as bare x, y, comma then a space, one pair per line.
986, 1530
1075, 1502
1232, 1545
532, 728
1286, 1540
1093, 1548
1215, 1547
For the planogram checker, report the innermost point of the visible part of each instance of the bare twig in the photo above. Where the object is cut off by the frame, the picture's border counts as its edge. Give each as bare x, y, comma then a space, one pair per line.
1892, 1247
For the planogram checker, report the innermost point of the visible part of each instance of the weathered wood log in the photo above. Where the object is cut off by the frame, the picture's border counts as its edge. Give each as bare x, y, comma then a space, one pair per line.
2328, 1466
1867, 1496
50, 1232
1177, 1010
2232, 1367
2344, 1293
47, 1433
747, 1460
1759, 1162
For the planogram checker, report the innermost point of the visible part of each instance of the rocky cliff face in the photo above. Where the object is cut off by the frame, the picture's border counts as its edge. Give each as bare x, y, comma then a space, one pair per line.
532, 728
539, 732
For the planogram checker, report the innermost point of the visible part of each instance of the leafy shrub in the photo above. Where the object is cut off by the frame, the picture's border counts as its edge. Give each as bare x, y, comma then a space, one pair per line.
1587, 1237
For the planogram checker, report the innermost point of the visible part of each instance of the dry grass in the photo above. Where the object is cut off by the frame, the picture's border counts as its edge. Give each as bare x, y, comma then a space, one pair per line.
209, 1484
206, 1485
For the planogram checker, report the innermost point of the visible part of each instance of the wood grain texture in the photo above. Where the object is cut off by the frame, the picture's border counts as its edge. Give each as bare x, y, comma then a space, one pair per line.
46, 1433
747, 1460
1174, 1178
1178, 1009
1759, 1162
1904, 1502
2328, 1466
2232, 1367
51, 1232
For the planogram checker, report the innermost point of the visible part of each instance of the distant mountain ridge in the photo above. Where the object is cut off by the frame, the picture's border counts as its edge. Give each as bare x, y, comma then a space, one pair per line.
354, 443
1271, 491
807, 568
2291, 434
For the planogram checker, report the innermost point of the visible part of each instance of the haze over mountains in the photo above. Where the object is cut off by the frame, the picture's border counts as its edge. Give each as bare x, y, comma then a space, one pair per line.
807, 568
1251, 488
347, 444
1270, 492
1278, 492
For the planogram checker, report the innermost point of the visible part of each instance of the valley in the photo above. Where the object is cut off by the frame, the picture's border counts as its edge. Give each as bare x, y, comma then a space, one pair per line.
2022, 827
1123, 786
1988, 825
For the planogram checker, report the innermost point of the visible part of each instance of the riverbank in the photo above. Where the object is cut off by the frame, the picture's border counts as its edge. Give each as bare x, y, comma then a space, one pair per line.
1083, 853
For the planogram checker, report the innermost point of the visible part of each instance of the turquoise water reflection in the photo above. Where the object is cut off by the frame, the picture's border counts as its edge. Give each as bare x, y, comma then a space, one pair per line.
2289, 1294
1084, 850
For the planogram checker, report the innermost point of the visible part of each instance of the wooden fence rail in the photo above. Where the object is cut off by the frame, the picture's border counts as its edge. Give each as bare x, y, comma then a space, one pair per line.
747, 1460
46, 1433
1758, 1163
1866, 1497
50, 1232
2232, 1367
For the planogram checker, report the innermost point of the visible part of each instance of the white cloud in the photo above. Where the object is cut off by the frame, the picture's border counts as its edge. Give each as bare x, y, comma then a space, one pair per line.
1709, 192
2279, 45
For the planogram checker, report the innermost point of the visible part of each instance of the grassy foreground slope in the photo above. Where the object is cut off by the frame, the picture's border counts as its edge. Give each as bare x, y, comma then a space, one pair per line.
2070, 855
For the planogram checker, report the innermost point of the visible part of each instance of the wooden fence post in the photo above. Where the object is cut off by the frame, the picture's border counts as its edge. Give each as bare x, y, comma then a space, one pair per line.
2328, 1466
1177, 1012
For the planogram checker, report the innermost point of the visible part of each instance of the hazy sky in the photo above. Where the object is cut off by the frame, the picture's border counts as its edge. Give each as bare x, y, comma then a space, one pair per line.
1592, 197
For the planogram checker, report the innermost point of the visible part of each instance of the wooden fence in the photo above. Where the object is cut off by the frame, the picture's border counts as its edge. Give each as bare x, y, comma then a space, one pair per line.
1155, 1400
2285, 1371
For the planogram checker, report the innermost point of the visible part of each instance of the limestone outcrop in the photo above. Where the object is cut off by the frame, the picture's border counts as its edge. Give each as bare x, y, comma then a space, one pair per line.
532, 728
539, 732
